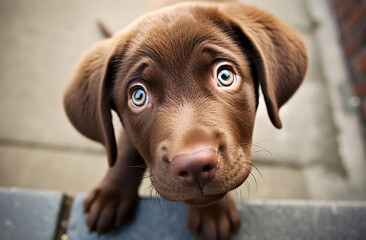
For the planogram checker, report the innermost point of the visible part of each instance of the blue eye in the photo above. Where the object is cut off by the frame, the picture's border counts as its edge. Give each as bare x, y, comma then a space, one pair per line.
139, 98
226, 78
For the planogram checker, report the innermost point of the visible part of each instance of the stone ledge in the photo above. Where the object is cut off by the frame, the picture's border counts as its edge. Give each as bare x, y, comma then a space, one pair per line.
160, 219
26, 214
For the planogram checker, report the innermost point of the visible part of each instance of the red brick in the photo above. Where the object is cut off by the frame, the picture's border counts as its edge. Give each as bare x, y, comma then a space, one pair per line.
351, 48
332, 3
356, 16
352, 74
360, 89
342, 9
358, 68
362, 62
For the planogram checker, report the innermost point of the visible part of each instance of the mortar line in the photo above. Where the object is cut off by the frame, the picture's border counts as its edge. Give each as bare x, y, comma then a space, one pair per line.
47, 146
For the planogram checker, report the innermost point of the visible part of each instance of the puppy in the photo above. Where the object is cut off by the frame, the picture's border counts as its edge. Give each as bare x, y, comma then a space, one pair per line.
184, 80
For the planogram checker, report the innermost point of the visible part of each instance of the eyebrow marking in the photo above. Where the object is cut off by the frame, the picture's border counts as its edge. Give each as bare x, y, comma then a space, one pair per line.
134, 75
220, 54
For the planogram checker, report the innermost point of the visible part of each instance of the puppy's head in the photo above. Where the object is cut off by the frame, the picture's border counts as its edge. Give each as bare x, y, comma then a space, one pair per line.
184, 82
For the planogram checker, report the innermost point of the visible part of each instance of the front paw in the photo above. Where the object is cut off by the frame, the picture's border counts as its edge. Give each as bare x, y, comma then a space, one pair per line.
216, 221
108, 209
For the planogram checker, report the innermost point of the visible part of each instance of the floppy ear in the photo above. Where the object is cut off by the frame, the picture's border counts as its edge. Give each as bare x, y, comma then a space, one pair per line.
277, 52
87, 100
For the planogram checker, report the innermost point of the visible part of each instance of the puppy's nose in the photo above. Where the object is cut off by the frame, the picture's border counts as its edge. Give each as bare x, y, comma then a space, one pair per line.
196, 167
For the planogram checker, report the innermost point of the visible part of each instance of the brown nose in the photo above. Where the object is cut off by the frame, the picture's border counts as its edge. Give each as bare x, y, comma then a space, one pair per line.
196, 167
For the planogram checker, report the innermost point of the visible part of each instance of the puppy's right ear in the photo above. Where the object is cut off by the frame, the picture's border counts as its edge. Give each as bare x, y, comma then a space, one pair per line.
87, 97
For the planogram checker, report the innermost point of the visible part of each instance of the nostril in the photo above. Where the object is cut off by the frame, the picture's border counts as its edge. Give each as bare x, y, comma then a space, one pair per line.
208, 168
185, 177
196, 167
208, 172
183, 174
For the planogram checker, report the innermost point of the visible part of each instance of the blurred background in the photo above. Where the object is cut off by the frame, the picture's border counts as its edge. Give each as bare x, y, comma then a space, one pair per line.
319, 153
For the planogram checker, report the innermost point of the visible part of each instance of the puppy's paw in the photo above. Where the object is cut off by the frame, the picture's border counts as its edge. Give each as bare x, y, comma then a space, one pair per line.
217, 221
108, 209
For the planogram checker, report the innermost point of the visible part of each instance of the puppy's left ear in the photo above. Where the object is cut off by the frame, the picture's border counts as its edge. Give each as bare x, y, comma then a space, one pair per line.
277, 52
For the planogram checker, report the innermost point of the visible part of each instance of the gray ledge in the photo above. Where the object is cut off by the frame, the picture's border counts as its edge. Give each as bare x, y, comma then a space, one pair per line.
26, 214
160, 219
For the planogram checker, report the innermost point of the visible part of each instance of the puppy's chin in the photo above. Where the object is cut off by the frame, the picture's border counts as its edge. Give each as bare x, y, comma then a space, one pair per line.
204, 200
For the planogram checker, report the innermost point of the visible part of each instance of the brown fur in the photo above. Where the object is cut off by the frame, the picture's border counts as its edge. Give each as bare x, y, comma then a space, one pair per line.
173, 52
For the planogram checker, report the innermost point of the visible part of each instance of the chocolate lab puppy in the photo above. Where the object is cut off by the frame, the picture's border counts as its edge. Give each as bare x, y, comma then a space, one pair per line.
184, 80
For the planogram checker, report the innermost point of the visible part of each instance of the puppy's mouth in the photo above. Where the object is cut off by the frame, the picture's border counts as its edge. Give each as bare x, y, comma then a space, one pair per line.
204, 199
202, 176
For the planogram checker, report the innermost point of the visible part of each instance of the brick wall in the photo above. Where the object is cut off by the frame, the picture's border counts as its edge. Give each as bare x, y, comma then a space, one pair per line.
351, 17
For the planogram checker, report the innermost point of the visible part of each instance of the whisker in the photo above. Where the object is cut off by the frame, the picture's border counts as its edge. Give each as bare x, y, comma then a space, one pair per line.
265, 140
234, 193
238, 193
151, 191
152, 202
260, 151
263, 150
252, 164
139, 177
155, 197
249, 163
258, 172
146, 177
248, 188
241, 193
255, 180
137, 166
245, 144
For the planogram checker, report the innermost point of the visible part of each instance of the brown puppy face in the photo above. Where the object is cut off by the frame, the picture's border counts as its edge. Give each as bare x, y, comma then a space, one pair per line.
178, 71
184, 82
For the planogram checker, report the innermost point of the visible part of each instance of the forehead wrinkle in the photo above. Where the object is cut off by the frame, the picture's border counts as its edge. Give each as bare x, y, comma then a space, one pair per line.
174, 49
166, 41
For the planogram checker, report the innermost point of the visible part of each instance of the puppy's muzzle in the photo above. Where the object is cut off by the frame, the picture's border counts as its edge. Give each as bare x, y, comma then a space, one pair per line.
197, 167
